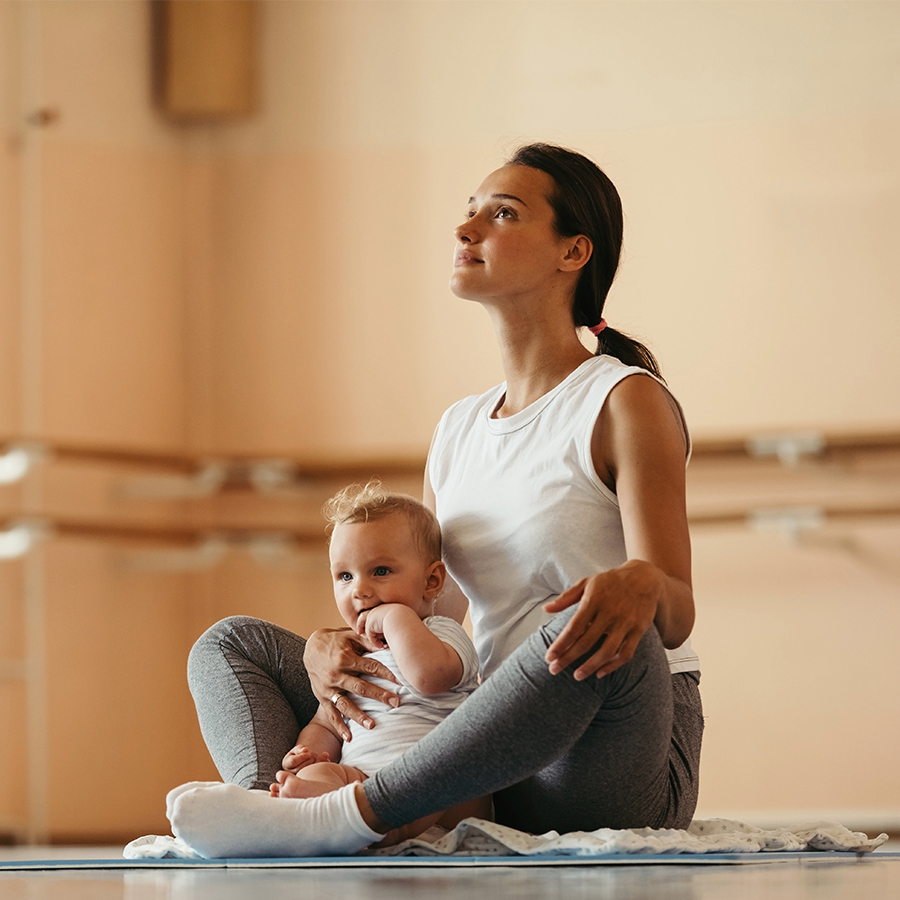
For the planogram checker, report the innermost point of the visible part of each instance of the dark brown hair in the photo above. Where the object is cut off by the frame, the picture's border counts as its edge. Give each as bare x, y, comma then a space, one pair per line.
585, 201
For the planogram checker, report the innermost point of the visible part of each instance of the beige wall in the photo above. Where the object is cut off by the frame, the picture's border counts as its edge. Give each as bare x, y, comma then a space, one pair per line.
756, 155
279, 286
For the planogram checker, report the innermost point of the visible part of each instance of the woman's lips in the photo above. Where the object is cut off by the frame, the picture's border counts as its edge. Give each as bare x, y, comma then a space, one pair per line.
466, 259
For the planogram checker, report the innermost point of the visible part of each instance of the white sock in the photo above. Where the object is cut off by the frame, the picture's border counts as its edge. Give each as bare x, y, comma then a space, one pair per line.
224, 820
175, 793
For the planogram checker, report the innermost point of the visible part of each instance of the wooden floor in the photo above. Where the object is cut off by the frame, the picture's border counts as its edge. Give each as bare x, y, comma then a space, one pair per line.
868, 877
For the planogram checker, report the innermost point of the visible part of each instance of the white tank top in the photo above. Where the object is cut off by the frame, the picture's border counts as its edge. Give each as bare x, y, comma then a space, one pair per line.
523, 513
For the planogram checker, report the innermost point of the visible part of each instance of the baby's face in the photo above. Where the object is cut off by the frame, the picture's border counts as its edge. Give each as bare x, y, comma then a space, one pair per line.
374, 563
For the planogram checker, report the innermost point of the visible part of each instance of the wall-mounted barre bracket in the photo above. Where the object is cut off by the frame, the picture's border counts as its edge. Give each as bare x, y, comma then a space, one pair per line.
20, 536
207, 481
789, 447
201, 558
17, 460
270, 551
279, 477
792, 523
273, 477
280, 551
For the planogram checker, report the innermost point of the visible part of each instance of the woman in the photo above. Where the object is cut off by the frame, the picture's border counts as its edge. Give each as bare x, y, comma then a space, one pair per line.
561, 498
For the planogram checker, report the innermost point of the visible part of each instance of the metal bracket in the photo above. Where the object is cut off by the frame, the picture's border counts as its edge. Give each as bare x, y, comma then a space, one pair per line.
21, 536
271, 551
206, 555
19, 459
792, 523
206, 482
790, 448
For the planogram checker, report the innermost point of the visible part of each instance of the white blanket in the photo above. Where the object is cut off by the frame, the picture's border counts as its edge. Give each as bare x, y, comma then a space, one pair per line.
478, 837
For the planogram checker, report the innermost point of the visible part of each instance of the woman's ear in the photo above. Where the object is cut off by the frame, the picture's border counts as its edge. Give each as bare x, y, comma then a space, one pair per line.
435, 575
578, 252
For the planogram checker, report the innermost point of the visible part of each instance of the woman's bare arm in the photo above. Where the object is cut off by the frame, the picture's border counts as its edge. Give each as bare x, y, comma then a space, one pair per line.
639, 452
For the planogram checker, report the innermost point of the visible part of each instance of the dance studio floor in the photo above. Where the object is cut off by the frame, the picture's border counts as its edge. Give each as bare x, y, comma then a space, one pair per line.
787, 879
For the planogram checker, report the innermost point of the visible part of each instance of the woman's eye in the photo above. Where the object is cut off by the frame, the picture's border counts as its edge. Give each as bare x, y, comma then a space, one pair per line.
470, 213
504, 213
382, 570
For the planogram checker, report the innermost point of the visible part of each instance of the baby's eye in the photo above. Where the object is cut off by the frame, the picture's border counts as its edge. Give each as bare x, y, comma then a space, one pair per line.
382, 570
345, 576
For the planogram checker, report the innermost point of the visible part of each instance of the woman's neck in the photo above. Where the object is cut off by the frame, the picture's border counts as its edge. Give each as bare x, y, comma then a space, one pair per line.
536, 357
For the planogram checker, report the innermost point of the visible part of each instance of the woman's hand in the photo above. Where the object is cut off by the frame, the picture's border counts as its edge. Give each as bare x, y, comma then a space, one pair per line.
335, 663
615, 607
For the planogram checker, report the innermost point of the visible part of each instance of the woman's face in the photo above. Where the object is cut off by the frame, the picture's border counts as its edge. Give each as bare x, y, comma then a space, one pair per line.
507, 245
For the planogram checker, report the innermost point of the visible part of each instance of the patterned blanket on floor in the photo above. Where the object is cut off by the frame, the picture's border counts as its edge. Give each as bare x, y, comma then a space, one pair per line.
478, 837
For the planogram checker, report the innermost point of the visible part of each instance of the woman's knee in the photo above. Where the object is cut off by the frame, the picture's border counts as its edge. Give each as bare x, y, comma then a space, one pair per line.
226, 635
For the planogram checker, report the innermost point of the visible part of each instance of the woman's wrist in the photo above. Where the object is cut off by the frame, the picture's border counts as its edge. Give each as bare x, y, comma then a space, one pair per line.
673, 599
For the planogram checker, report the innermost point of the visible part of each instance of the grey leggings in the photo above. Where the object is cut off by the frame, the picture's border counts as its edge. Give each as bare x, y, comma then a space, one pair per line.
618, 752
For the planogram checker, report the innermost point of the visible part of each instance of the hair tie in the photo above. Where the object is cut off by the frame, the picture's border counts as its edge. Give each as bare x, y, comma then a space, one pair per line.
598, 327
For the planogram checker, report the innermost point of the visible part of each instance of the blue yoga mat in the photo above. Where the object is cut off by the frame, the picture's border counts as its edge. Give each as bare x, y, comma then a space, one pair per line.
433, 862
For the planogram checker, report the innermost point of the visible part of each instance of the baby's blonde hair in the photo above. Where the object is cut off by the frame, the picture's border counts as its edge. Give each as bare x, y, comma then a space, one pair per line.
368, 504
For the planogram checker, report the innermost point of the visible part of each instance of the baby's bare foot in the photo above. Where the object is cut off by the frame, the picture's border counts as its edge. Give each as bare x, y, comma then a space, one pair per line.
293, 788
301, 757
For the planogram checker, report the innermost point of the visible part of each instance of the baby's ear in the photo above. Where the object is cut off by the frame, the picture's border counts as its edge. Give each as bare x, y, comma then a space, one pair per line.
435, 575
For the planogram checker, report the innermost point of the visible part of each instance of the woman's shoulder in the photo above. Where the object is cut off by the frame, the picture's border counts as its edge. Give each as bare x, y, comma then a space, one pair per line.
472, 405
645, 397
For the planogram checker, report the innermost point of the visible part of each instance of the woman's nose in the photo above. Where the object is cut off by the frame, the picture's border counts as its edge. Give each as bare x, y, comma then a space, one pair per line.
464, 232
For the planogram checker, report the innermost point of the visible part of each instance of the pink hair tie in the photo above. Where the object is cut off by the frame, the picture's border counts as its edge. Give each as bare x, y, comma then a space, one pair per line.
598, 327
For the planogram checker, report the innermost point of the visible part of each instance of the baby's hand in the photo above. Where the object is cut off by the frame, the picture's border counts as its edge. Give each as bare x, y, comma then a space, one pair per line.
301, 757
371, 626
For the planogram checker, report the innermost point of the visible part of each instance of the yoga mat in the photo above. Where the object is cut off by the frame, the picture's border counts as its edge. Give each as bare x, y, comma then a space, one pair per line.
454, 862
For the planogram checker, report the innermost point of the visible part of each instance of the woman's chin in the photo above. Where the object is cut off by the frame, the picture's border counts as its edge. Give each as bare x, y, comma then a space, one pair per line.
463, 291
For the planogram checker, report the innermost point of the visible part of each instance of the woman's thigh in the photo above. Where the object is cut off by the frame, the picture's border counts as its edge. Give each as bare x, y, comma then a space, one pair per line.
556, 752
252, 695
616, 772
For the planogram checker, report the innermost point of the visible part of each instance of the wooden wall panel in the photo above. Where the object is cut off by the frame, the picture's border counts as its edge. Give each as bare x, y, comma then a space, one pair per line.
114, 358
205, 56
118, 702
10, 284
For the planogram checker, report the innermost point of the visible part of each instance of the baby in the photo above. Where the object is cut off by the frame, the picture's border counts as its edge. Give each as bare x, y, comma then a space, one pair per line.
385, 555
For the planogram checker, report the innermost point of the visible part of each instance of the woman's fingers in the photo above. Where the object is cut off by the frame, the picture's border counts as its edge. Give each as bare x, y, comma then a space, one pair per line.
600, 664
610, 620
582, 640
566, 598
583, 630
335, 662
335, 717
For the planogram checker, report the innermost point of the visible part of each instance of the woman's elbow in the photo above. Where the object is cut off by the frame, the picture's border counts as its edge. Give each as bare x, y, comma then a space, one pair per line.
678, 629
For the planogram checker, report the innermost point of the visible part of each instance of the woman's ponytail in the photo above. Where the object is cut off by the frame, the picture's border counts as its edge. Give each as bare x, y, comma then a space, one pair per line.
627, 350
586, 202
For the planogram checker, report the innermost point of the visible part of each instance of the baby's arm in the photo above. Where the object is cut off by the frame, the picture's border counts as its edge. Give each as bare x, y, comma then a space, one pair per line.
427, 663
317, 742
